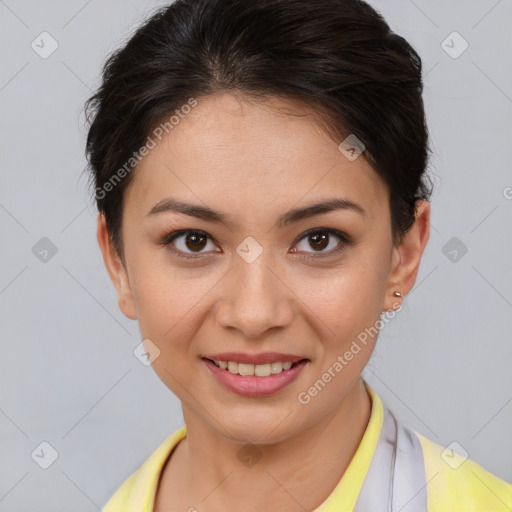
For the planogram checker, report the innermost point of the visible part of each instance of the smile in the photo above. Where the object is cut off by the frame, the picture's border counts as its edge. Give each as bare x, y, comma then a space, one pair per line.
259, 370
255, 380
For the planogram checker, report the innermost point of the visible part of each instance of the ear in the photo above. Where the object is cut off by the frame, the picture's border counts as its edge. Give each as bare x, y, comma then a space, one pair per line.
115, 269
407, 256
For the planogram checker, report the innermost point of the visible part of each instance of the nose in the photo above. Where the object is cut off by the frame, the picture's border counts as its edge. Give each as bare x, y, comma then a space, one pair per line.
255, 300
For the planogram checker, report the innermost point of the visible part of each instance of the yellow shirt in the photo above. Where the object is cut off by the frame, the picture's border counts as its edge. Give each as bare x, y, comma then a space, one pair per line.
468, 488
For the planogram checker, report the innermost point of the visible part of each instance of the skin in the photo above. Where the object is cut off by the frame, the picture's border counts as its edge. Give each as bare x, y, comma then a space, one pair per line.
255, 162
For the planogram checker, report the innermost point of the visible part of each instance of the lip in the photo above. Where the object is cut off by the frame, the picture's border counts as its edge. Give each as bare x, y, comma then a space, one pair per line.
262, 358
254, 386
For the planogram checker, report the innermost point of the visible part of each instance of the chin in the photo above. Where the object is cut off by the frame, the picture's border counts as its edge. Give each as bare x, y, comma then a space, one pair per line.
258, 428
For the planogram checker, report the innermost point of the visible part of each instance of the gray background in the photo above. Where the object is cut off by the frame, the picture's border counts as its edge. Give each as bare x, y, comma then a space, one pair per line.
68, 373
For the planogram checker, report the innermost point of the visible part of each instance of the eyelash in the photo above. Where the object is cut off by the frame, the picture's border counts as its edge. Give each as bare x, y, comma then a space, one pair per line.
345, 241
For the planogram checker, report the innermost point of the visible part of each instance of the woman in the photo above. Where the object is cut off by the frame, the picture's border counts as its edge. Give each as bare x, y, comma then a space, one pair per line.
259, 169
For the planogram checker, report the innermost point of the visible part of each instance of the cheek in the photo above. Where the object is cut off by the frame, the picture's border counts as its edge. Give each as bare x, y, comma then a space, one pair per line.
168, 299
155, 292
346, 299
342, 301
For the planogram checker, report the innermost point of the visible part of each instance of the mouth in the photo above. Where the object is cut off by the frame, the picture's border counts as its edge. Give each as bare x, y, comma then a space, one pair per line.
258, 370
255, 375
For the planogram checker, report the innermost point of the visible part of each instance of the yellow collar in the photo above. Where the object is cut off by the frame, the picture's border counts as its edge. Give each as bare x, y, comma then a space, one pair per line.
343, 497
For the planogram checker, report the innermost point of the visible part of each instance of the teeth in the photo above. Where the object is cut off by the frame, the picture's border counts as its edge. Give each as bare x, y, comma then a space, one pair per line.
245, 369
276, 367
248, 370
262, 370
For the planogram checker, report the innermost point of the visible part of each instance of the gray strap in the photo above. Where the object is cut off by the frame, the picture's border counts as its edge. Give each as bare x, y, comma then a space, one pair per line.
410, 488
395, 481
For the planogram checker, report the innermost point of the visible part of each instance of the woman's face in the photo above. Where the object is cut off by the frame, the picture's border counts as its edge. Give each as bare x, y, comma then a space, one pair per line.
250, 279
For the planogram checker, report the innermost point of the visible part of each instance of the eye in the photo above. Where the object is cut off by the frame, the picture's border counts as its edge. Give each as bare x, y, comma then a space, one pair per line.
323, 241
189, 243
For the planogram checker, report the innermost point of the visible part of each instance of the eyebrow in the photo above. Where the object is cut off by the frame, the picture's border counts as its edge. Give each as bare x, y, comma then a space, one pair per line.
170, 204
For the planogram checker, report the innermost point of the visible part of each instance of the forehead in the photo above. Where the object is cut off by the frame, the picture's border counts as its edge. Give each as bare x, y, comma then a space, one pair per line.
251, 156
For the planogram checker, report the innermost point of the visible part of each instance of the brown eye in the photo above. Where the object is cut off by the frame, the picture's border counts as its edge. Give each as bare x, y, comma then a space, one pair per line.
322, 242
318, 241
189, 243
195, 242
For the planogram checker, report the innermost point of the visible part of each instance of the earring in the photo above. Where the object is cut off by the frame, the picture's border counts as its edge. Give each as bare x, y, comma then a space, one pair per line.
396, 294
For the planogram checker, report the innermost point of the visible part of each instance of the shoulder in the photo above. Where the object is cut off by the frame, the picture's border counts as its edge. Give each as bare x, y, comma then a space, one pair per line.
137, 492
455, 482
121, 498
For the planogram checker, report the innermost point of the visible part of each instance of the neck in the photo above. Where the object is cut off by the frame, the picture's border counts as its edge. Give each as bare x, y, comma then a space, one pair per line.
298, 472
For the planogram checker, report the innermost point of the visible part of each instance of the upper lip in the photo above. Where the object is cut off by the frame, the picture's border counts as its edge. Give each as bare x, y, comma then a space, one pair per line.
262, 358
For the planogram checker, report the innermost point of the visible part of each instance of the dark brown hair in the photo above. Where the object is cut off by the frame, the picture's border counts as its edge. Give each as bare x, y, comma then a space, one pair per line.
337, 56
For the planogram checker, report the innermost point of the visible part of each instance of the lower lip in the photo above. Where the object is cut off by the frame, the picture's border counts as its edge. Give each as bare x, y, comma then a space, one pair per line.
255, 386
